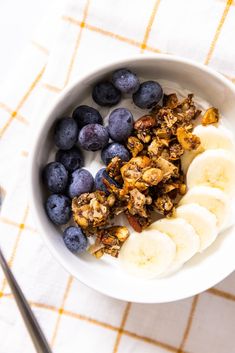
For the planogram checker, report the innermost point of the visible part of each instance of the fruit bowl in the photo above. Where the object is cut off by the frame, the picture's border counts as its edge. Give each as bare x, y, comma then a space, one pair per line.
206, 269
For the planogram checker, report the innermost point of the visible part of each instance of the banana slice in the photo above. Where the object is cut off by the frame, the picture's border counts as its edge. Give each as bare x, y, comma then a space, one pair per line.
215, 200
148, 254
215, 168
211, 138
214, 137
202, 220
184, 236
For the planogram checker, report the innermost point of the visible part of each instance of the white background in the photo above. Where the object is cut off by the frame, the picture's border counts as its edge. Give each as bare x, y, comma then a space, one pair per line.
18, 20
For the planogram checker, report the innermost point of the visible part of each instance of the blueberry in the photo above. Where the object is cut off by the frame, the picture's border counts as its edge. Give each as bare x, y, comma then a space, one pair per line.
84, 115
66, 133
148, 94
105, 94
114, 149
75, 240
58, 209
120, 124
55, 177
100, 175
71, 159
93, 137
126, 81
81, 181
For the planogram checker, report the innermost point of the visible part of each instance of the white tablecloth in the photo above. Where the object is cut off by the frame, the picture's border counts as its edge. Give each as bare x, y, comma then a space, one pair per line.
74, 37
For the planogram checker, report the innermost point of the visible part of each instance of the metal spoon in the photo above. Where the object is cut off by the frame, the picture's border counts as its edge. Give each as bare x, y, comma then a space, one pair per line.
37, 336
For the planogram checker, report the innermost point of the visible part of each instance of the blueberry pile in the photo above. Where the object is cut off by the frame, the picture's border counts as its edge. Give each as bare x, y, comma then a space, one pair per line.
66, 178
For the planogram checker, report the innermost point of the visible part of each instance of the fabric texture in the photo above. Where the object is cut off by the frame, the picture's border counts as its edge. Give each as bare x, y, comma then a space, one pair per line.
74, 37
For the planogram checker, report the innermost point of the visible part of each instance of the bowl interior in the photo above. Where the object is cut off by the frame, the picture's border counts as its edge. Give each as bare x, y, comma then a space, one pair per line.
105, 276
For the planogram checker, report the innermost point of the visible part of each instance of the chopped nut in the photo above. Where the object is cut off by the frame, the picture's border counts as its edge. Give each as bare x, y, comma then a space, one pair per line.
120, 207
144, 136
211, 116
134, 145
163, 142
108, 239
153, 148
182, 189
165, 154
145, 123
176, 151
162, 132
81, 221
112, 251
134, 223
113, 169
99, 253
170, 119
187, 140
168, 169
97, 250
122, 233
166, 188
152, 176
138, 223
163, 204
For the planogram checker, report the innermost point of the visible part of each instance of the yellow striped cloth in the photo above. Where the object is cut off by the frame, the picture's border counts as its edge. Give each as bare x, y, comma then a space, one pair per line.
74, 37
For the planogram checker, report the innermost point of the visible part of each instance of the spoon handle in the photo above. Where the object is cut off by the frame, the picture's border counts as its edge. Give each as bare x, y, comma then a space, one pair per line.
37, 336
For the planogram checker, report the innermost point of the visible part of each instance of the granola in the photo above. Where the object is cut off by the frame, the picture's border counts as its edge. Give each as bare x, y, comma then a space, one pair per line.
152, 180
187, 140
109, 241
211, 116
92, 210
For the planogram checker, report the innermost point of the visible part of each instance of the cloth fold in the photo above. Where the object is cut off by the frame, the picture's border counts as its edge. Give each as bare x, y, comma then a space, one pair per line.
74, 37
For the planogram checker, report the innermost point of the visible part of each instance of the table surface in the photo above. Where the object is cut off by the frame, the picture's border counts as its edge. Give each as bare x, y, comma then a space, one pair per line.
18, 19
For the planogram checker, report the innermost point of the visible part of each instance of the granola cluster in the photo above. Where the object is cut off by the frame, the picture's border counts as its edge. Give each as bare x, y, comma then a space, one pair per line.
152, 180
109, 241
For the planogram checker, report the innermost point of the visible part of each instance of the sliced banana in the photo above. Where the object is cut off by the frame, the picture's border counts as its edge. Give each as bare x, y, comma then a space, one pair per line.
211, 138
147, 255
215, 200
214, 137
202, 220
184, 236
215, 168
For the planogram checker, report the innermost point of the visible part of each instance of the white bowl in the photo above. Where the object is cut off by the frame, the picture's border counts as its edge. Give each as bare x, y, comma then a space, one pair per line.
204, 270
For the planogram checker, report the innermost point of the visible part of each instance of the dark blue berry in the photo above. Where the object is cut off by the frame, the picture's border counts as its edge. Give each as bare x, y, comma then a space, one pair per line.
55, 177
148, 94
66, 133
75, 240
120, 124
84, 115
93, 137
105, 94
81, 181
99, 184
126, 81
58, 209
112, 150
71, 159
